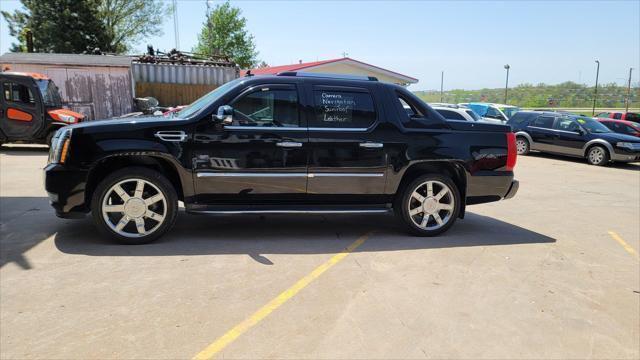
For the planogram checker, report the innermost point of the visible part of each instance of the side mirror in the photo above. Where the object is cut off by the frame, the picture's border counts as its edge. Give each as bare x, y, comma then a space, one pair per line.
224, 115
580, 131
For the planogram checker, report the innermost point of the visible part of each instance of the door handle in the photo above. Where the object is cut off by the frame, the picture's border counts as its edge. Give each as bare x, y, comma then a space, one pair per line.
371, 145
289, 144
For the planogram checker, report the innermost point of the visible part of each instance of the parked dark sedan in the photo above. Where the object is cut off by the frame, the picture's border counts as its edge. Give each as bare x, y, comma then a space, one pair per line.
572, 135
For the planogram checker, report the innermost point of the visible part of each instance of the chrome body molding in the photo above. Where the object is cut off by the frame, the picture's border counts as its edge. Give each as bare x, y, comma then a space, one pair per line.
308, 175
290, 128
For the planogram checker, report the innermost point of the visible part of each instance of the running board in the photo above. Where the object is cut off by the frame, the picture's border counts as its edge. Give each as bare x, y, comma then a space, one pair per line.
237, 210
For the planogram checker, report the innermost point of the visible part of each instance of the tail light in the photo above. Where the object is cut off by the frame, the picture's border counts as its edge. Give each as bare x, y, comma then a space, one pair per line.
512, 153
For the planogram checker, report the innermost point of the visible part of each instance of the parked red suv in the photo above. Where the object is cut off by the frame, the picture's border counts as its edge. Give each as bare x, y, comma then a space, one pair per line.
622, 126
618, 115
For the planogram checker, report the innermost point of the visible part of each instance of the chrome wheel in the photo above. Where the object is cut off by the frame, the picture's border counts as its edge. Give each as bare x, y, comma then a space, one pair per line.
431, 205
134, 208
596, 155
521, 146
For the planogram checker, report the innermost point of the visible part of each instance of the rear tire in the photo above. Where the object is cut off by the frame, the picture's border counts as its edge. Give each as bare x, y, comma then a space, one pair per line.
429, 205
598, 155
522, 145
134, 205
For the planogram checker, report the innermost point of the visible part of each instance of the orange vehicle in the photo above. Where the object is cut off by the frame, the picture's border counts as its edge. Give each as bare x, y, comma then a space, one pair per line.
31, 109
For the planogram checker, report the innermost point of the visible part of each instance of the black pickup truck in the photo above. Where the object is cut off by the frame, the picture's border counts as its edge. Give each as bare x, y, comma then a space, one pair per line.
289, 143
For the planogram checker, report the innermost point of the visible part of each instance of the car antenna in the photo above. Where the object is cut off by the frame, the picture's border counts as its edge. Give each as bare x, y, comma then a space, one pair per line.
248, 74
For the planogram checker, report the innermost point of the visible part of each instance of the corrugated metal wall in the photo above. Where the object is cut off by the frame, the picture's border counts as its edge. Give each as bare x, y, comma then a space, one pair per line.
176, 85
98, 92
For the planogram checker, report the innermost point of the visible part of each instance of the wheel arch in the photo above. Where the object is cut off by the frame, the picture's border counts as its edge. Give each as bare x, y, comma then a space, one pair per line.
525, 135
450, 168
115, 162
594, 142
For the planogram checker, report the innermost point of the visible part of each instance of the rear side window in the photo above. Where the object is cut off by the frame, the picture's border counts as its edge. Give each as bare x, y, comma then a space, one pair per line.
617, 116
519, 118
633, 117
450, 115
343, 109
543, 122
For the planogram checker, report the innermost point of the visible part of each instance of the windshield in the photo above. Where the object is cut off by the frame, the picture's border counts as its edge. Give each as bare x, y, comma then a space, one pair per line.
49, 93
592, 126
510, 111
473, 114
206, 100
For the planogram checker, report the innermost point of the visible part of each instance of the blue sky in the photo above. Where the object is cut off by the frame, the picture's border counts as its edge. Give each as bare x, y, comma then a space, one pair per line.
543, 41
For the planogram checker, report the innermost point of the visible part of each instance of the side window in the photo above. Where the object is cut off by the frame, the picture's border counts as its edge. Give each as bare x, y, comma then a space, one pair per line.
617, 116
566, 125
450, 115
609, 125
267, 107
630, 130
17, 93
543, 122
494, 114
343, 109
633, 117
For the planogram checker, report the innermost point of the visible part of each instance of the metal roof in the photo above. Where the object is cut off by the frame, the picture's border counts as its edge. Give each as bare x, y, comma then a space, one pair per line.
183, 74
66, 59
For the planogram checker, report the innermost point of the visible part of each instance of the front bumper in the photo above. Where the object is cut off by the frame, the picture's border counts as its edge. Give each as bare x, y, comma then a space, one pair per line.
66, 190
624, 155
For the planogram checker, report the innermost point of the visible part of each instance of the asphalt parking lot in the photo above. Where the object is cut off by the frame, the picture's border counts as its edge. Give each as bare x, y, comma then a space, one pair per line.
552, 273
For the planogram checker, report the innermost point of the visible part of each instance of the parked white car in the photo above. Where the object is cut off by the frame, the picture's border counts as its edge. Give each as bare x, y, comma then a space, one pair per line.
459, 113
496, 113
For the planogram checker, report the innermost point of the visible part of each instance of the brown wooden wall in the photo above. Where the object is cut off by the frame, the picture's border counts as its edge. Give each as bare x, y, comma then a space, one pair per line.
172, 94
98, 92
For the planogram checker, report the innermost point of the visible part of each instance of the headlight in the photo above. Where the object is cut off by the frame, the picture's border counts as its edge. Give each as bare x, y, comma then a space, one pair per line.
627, 145
60, 146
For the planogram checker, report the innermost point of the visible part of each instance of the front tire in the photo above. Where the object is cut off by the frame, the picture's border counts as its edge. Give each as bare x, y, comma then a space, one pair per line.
598, 156
429, 205
522, 145
134, 205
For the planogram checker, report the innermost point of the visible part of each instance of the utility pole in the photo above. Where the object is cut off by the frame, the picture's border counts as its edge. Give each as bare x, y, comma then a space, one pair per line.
506, 85
628, 91
442, 86
175, 24
595, 91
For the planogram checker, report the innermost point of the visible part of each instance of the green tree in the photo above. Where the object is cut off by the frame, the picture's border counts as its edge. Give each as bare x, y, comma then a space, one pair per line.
126, 22
224, 33
72, 26
62, 26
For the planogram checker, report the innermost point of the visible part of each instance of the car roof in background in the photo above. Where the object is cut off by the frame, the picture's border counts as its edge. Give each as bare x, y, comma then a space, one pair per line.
627, 122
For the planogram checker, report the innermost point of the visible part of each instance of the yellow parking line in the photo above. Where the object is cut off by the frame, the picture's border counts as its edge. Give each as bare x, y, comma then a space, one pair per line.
624, 244
226, 339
